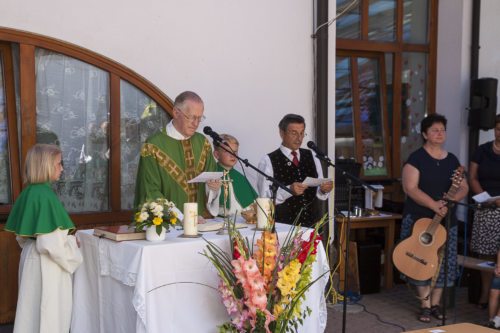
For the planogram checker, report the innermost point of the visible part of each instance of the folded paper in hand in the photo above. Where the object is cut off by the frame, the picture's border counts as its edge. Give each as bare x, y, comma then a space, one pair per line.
206, 176
484, 197
311, 182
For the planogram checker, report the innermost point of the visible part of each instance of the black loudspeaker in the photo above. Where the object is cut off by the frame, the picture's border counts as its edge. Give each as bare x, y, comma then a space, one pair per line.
369, 267
483, 103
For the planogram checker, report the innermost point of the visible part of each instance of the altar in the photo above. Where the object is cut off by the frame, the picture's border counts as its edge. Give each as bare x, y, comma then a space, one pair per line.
168, 286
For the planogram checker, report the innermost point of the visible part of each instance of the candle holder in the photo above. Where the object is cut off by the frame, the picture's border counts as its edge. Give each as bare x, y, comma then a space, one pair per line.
225, 186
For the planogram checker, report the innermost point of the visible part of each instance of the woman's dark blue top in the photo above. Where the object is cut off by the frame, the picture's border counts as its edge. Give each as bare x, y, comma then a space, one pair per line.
488, 172
435, 180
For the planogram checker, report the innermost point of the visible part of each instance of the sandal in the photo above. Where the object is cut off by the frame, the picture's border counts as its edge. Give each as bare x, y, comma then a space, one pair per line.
425, 315
436, 312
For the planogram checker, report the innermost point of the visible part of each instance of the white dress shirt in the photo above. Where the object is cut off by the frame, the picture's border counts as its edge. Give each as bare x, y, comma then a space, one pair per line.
266, 166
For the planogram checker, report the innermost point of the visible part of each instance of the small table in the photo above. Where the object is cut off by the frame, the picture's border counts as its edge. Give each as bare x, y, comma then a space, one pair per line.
384, 220
456, 328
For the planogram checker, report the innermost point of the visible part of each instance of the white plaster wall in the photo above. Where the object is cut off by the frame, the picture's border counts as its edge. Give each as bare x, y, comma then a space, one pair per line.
250, 60
453, 76
453, 72
489, 55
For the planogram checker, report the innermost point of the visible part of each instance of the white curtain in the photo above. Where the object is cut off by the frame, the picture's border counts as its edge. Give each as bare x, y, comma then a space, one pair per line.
72, 104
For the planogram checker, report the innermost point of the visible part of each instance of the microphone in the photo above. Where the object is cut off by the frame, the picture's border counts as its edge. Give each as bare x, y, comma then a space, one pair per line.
208, 131
315, 148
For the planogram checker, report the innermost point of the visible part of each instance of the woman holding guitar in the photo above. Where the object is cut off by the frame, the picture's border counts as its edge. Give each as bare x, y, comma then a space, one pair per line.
429, 173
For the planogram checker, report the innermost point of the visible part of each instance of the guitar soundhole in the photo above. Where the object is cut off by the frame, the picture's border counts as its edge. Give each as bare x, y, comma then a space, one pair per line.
426, 238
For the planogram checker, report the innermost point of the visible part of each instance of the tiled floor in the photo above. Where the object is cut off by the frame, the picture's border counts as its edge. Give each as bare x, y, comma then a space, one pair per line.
395, 310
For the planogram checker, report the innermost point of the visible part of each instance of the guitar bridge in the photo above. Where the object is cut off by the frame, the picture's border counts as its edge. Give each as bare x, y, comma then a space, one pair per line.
418, 259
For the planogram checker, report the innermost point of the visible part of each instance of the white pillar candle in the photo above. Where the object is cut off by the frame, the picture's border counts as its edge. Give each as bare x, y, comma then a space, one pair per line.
263, 211
379, 198
190, 219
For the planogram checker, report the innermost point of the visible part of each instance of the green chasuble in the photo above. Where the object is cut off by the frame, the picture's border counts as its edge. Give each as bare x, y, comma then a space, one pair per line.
37, 211
166, 165
243, 191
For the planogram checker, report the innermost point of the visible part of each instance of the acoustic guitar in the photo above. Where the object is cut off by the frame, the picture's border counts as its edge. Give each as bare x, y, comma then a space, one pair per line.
417, 255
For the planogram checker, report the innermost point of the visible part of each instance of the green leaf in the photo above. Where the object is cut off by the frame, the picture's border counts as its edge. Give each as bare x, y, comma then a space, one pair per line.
159, 229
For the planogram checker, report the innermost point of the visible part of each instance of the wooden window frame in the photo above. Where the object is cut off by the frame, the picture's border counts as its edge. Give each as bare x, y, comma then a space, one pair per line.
13, 142
397, 48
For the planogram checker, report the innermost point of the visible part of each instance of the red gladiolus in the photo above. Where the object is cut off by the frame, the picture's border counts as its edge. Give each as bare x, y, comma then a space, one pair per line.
306, 245
236, 252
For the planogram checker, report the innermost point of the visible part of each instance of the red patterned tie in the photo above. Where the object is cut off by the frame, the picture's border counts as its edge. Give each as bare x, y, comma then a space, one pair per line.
295, 160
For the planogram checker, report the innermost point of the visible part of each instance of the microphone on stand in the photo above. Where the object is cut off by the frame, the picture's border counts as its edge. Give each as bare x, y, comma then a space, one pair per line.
208, 131
315, 148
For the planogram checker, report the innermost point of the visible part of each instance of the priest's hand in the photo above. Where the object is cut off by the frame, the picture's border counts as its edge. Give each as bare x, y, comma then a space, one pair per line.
214, 185
298, 188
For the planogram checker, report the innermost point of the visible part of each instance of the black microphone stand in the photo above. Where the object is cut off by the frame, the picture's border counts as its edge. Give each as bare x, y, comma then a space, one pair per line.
450, 204
350, 179
275, 184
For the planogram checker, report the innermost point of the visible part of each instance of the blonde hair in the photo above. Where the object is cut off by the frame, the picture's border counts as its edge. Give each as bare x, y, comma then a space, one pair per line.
229, 139
39, 166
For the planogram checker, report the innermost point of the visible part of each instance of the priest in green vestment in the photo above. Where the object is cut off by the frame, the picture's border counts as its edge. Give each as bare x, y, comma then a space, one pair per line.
237, 194
175, 155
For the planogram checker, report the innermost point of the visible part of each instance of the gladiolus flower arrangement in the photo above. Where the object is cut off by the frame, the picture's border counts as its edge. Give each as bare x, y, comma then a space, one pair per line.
263, 286
159, 213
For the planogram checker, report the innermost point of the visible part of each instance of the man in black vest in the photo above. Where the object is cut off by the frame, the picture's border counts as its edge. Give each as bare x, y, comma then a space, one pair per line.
291, 164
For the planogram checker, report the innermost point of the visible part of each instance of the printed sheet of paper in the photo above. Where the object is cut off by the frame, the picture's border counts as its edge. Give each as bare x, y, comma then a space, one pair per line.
206, 176
484, 197
311, 182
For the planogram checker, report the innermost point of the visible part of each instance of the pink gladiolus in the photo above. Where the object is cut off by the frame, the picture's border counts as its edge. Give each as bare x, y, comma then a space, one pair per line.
238, 266
259, 300
250, 267
256, 283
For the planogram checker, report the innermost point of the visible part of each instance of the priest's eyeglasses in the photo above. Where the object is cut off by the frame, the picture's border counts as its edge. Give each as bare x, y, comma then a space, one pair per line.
192, 118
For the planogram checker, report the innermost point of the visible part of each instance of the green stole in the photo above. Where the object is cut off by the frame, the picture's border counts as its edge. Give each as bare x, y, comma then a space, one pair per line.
37, 211
166, 165
243, 191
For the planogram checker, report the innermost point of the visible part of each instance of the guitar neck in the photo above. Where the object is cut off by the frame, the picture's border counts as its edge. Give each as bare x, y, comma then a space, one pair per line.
451, 192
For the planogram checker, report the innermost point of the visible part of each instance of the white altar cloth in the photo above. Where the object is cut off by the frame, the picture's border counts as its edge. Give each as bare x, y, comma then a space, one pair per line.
168, 286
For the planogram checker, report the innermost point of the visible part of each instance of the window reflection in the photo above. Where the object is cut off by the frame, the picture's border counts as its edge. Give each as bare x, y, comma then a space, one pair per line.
72, 101
381, 20
5, 189
372, 134
344, 121
348, 25
415, 21
140, 118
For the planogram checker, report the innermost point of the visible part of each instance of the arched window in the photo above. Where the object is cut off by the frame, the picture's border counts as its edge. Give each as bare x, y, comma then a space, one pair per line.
96, 110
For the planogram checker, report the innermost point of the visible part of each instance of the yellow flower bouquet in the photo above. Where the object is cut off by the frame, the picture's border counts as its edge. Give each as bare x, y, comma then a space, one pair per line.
159, 213
263, 286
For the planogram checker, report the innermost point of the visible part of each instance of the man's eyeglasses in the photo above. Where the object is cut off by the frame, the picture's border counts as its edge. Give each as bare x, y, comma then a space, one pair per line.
437, 131
192, 118
296, 134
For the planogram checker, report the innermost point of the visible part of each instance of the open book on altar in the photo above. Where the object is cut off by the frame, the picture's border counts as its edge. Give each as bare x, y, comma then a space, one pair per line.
119, 233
